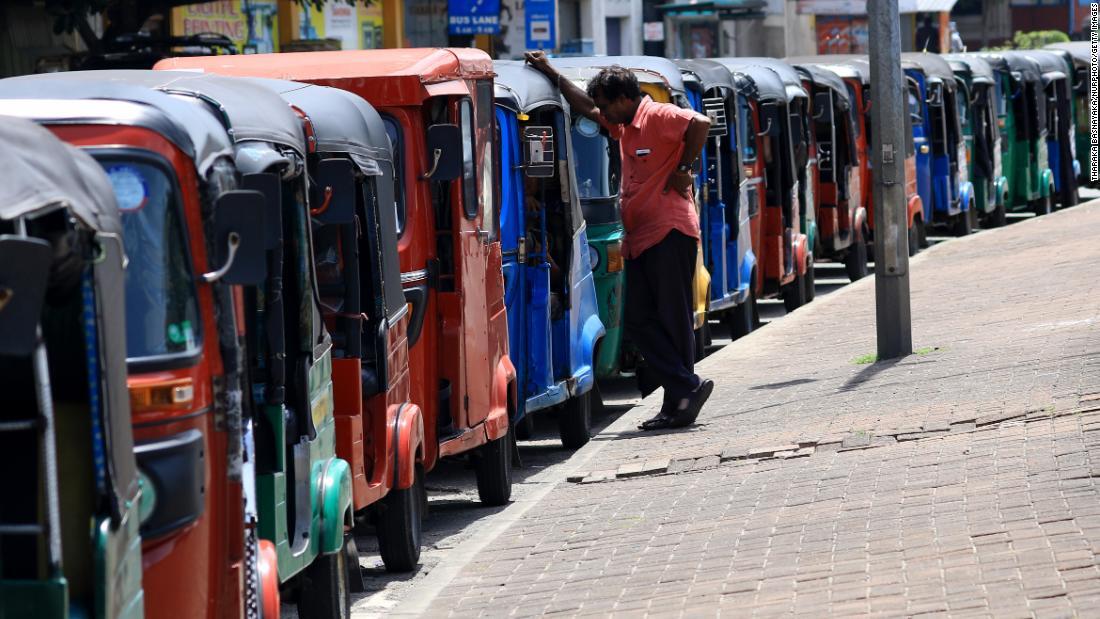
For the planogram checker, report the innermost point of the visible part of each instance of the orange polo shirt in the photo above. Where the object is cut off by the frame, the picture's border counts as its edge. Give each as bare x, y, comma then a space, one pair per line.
651, 147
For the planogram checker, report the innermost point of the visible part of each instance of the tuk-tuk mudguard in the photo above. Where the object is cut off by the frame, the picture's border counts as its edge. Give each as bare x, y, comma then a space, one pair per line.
333, 483
407, 430
802, 249
1000, 189
504, 378
585, 375
966, 196
1046, 183
860, 221
916, 208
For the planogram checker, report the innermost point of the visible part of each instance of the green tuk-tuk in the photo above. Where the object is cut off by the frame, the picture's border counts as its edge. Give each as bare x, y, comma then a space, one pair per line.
69, 541
303, 490
980, 92
1057, 71
1021, 119
1078, 58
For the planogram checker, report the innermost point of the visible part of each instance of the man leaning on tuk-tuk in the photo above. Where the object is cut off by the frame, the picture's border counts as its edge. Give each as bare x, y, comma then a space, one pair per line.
660, 144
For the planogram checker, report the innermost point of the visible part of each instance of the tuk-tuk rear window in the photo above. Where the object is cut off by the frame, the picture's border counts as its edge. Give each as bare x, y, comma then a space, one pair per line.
162, 318
393, 129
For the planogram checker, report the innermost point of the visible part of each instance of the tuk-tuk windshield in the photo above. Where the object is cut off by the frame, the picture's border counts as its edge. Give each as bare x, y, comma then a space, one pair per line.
595, 161
161, 306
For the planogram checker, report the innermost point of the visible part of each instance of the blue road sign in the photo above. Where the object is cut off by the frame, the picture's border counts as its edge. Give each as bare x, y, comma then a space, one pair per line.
473, 16
541, 17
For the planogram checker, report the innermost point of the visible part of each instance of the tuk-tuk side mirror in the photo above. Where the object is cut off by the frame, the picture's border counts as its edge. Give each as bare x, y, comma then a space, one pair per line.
444, 152
239, 239
272, 189
538, 151
823, 108
333, 192
24, 276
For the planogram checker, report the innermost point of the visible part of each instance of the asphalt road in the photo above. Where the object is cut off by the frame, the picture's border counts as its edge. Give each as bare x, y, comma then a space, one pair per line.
454, 512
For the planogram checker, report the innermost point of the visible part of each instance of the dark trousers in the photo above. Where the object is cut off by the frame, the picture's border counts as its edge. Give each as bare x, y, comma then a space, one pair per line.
659, 311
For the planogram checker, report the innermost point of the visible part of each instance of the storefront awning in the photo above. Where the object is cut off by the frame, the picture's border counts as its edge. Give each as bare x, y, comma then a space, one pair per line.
725, 8
859, 7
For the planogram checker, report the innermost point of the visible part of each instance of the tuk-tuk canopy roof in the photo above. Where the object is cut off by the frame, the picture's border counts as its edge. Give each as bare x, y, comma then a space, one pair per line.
766, 84
978, 68
38, 172
1080, 51
788, 78
254, 113
47, 98
1014, 63
825, 77
404, 76
662, 67
521, 88
847, 66
708, 73
932, 65
1052, 65
342, 122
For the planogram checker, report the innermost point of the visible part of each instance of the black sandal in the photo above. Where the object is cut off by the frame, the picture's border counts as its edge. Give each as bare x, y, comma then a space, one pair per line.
661, 422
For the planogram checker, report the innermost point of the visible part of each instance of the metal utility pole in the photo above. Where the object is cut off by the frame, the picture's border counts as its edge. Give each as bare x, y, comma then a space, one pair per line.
888, 151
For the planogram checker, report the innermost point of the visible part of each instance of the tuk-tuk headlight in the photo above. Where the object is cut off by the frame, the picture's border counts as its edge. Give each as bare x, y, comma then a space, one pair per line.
614, 257
593, 257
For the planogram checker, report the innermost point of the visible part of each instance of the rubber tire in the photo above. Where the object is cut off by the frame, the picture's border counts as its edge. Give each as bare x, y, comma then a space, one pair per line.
997, 218
914, 240
701, 342
324, 593
794, 294
922, 234
742, 318
525, 429
809, 281
401, 526
1043, 207
962, 224
493, 468
855, 263
575, 421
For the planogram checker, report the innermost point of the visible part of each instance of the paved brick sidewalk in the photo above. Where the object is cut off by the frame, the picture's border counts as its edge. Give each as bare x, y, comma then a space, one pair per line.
960, 480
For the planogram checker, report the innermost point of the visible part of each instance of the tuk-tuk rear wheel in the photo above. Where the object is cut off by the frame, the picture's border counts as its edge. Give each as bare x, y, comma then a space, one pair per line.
1042, 207
742, 318
855, 263
493, 467
914, 240
794, 294
997, 218
400, 526
575, 421
809, 281
325, 593
525, 427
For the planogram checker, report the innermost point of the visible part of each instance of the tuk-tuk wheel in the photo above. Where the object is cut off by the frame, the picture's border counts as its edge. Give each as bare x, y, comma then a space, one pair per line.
575, 421
855, 263
400, 526
997, 218
914, 239
701, 342
493, 467
809, 281
325, 592
525, 428
1042, 206
962, 225
742, 318
794, 294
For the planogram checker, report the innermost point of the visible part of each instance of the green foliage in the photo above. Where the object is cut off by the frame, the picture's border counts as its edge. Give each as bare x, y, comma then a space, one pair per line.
865, 359
1032, 40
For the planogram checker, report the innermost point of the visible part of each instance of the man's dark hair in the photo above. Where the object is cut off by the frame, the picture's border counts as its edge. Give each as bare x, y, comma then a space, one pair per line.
614, 82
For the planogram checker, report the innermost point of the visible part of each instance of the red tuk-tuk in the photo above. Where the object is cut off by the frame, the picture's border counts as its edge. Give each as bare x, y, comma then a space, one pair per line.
437, 106
842, 220
172, 169
856, 73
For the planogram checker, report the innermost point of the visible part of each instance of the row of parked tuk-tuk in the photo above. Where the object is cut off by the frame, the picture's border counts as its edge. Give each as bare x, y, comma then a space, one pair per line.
242, 316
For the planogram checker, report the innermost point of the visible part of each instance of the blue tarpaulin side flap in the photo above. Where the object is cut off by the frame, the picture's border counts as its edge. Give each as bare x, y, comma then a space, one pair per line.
511, 189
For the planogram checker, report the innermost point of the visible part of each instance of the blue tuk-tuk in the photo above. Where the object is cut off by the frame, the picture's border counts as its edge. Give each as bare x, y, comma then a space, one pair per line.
553, 321
724, 216
934, 108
